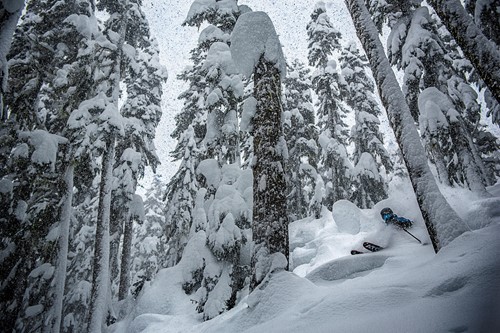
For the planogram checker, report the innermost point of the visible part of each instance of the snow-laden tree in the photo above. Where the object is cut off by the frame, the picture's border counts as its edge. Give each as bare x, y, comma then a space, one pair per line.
10, 11
130, 57
301, 137
149, 238
141, 111
443, 224
224, 91
220, 235
416, 47
486, 17
458, 82
51, 77
333, 162
480, 51
256, 49
207, 125
180, 195
370, 154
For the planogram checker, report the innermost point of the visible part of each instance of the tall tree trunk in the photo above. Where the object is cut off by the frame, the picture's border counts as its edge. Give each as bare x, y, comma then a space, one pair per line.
126, 259
442, 222
270, 219
8, 23
481, 52
99, 301
62, 262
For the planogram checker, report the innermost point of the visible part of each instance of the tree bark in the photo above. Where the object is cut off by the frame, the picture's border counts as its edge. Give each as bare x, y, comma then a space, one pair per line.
481, 52
442, 222
8, 23
62, 263
126, 259
99, 304
270, 219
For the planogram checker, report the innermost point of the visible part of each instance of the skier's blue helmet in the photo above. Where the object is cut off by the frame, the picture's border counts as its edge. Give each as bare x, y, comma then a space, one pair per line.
386, 213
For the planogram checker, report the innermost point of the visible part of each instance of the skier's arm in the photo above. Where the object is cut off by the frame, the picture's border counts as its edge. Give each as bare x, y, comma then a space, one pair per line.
400, 222
403, 222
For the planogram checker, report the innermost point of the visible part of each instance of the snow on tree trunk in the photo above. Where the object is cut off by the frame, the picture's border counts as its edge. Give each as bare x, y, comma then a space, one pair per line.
10, 11
62, 263
255, 47
482, 53
126, 260
136, 212
442, 222
100, 294
270, 222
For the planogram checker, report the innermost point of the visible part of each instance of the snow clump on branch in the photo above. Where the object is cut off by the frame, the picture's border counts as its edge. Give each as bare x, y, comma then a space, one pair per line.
254, 36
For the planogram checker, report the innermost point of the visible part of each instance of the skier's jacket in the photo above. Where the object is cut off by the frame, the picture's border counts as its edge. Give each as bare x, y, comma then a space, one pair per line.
398, 221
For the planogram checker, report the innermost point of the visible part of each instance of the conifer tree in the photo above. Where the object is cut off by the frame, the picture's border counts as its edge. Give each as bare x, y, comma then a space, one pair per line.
270, 222
208, 112
213, 216
9, 16
134, 60
333, 160
479, 50
301, 136
443, 224
369, 151
51, 78
141, 112
416, 47
149, 241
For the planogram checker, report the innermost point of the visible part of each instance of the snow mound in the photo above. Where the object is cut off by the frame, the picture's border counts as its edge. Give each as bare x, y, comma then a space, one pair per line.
347, 267
254, 36
404, 288
347, 216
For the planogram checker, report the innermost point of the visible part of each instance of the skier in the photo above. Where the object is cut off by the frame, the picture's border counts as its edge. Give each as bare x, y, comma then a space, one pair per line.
389, 217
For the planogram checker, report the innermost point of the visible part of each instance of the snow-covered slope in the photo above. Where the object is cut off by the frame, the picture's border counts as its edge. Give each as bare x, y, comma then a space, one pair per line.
403, 288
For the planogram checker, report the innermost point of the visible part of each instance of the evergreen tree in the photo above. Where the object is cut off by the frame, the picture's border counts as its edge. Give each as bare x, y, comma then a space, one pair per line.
270, 222
207, 222
333, 159
479, 50
51, 77
133, 59
180, 196
206, 104
224, 91
301, 136
485, 14
416, 46
149, 241
442, 223
369, 151
9, 16
141, 112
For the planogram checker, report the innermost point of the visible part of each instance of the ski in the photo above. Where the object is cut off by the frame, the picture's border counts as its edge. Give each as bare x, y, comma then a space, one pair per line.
369, 246
372, 247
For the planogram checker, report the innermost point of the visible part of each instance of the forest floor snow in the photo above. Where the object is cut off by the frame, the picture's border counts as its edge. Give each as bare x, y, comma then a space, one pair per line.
403, 288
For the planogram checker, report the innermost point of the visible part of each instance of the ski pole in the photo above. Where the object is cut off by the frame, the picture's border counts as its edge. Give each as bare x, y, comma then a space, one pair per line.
412, 235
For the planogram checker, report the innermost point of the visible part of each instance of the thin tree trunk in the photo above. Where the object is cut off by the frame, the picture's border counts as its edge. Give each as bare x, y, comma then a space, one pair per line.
442, 222
99, 304
8, 23
60, 278
126, 259
481, 52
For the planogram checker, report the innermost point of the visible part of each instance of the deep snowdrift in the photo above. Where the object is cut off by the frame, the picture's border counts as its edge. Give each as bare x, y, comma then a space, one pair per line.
404, 288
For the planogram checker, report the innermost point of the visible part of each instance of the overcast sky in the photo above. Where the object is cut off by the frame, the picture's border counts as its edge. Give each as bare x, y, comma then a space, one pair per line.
166, 16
